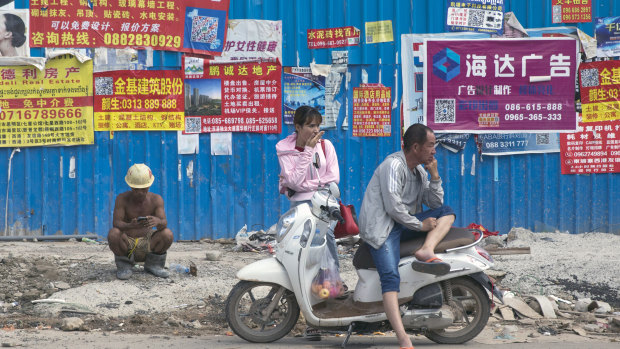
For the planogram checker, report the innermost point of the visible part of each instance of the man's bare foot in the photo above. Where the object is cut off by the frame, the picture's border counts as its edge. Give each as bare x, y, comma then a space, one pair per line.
424, 254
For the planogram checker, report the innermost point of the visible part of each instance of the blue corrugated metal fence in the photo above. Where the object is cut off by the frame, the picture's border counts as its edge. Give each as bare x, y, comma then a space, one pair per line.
214, 196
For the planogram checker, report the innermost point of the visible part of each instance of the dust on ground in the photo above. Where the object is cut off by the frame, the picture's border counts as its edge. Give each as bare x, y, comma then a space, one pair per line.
80, 276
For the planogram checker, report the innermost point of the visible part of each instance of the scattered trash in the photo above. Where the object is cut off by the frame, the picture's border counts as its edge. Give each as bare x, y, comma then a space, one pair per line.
255, 241
178, 268
547, 331
90, 241
48, 300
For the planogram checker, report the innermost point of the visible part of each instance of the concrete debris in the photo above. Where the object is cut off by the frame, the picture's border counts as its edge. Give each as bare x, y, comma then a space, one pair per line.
214, 255
61, 285
600, 307
520, 237
583, 304
72, 324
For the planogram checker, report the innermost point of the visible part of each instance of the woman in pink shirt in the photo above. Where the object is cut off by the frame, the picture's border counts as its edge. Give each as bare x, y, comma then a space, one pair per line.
308, 162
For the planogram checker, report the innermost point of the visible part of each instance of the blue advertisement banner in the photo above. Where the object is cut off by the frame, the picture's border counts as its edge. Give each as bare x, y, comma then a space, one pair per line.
302, 88
607, 32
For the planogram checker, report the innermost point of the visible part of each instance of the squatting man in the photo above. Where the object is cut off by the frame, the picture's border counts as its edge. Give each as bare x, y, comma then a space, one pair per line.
139, 232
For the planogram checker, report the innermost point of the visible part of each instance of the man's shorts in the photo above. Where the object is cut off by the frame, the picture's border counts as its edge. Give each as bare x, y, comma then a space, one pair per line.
138, 248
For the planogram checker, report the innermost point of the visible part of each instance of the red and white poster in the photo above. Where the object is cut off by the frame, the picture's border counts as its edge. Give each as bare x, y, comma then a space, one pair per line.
232, 97
195, 26
333, 37
571, 11
594, 148
372, 111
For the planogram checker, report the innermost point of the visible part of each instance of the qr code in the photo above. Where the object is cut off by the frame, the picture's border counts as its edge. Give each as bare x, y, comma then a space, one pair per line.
493, 20
103, 86
444, 111
542, 139
475, 18
192, 124
204, 29
589, 77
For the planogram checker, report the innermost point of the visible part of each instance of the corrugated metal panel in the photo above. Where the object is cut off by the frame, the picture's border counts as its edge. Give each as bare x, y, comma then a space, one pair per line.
214, 196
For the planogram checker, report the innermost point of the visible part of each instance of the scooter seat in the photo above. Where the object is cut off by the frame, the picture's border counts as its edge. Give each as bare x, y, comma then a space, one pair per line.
456, 237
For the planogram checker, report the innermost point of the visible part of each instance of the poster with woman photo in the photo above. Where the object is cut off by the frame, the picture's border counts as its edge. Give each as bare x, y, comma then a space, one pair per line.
14, 33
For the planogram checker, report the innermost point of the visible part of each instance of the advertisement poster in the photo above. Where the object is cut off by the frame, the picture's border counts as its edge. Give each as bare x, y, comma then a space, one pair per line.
333, 37
483, 16
15, 23
518, 143
377, 32
571, 11
594, 148
232, 97
599, 83
121, 23
252, 40
500, 85
302, 88
607, 32
49, 107
372, 111
145, 100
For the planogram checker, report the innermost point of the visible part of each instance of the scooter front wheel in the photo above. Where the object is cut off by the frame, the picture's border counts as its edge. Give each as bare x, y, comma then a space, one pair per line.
261, 312
469, 304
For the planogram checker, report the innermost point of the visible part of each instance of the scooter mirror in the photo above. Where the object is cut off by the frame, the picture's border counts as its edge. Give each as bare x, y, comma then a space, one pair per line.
334, 190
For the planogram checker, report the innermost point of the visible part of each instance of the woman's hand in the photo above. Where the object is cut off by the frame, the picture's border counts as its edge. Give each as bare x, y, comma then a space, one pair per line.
312, 141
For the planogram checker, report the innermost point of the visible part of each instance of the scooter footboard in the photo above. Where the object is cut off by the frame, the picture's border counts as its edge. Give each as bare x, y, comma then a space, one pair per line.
266, 270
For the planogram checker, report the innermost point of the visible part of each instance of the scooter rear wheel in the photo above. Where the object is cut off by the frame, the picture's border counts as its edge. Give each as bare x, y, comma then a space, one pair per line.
246, 309
471, 309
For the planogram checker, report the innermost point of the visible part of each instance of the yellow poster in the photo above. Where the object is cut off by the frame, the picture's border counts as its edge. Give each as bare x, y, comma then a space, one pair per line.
49, 107
379, 32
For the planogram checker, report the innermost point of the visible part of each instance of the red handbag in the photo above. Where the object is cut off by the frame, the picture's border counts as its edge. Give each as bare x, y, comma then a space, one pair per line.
349, 227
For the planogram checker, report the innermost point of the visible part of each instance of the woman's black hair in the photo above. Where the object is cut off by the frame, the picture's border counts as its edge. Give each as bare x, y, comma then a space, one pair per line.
305, 113
416, 133
15, 25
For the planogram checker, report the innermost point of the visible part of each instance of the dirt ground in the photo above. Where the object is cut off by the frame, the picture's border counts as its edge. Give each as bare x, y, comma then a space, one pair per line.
78, 280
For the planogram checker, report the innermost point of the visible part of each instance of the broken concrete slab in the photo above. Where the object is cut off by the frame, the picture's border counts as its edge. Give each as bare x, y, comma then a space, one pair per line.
545, 306
521, 307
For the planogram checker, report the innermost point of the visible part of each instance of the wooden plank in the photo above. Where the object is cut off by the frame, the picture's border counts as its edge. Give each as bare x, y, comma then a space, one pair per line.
508, 250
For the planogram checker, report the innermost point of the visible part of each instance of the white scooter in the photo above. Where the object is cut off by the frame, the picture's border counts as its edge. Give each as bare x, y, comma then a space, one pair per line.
264, 306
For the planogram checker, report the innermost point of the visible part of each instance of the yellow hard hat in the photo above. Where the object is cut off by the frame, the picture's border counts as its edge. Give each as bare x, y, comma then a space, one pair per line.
139, 176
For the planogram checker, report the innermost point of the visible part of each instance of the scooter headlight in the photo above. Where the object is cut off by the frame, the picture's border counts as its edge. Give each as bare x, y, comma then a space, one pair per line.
285, 223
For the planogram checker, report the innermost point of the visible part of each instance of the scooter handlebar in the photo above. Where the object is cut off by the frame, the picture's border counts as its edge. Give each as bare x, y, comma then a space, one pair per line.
334, 212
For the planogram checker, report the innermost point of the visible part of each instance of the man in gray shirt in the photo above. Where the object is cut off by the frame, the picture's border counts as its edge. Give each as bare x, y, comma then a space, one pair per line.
392, 211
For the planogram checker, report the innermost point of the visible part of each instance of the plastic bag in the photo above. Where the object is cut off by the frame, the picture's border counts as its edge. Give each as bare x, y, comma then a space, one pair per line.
327, 282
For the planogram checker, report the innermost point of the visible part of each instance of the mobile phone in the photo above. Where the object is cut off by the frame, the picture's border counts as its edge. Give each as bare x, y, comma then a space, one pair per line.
141, 219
